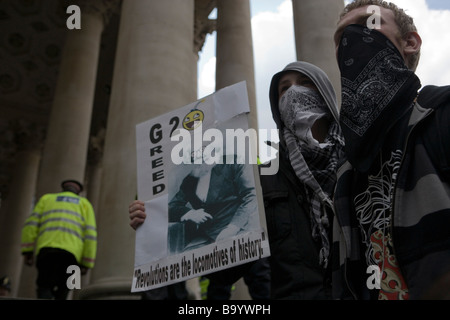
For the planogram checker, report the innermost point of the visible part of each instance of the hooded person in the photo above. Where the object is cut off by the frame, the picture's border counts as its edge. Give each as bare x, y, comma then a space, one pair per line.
393, 188
298, 197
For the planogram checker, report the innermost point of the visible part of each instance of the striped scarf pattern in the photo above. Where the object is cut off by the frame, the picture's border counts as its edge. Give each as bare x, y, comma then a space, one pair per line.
316, 168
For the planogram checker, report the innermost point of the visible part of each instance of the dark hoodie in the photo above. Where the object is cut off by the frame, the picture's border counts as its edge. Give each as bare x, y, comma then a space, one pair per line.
295, 269
319, 78
294, 260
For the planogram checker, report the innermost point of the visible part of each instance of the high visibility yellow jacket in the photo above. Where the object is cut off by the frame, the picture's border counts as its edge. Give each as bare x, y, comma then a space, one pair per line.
62, 220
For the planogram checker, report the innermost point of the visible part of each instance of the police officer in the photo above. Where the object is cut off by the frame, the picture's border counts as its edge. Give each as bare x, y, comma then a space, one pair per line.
61, 231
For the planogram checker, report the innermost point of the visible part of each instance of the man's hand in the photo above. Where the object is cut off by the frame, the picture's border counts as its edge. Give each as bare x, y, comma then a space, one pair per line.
28, 258
137, 213
83, 270
198, 216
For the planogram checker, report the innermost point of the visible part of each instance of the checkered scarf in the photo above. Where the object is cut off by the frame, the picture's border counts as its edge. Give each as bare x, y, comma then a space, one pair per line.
316, 168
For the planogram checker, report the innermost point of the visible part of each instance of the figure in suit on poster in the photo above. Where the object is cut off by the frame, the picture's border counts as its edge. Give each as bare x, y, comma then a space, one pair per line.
213, 202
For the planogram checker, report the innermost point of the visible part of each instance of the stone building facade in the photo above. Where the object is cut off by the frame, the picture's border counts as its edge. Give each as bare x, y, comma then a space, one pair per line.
70, 100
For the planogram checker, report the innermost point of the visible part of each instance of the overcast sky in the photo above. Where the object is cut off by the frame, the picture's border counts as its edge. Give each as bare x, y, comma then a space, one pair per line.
274, 47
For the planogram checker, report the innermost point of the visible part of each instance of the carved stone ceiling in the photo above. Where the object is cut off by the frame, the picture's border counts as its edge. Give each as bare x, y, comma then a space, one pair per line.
32, 35
31, 38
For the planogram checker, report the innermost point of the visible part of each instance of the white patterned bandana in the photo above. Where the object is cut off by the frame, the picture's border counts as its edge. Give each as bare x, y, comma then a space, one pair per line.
299, 108
314, 165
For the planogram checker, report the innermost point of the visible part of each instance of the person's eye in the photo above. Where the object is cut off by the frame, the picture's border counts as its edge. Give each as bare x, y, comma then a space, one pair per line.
283, 89
307, 84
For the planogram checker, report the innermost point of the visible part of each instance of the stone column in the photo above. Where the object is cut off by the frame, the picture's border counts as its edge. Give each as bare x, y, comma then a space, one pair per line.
234, 57
93, 186
19, 201
66, 145
314, 24
65, 149
94, 169
154, 72
234, 63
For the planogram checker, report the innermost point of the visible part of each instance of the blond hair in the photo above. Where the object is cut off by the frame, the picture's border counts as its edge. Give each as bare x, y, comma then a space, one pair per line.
404, 22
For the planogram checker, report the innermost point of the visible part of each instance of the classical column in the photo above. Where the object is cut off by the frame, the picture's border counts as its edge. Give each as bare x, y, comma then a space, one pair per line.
234, 57
314, 24
93, 186
94, 169
234, 63
19, 200
154, 72
66, 145
65, 149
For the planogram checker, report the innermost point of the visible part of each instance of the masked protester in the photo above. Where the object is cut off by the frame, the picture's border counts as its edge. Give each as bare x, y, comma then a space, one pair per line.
392, 197
298, 198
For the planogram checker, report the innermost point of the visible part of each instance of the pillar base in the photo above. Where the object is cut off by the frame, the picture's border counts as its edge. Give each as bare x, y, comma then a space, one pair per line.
109, 289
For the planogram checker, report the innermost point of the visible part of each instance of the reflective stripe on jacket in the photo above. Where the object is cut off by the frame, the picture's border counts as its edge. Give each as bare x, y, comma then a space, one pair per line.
65, 221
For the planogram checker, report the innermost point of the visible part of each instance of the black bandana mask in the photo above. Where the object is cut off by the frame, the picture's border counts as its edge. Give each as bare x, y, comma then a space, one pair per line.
377, 90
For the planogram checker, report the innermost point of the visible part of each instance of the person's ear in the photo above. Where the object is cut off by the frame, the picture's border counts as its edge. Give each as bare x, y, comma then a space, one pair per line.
411, 43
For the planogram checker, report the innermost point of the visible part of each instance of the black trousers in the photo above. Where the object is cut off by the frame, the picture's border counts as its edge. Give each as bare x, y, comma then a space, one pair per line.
52, 277
256, 276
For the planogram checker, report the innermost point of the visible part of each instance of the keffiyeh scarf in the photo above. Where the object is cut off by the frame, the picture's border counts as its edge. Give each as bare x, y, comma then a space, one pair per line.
315, 165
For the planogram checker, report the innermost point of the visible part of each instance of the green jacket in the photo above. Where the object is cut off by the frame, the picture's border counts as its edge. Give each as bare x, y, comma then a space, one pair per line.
65, 221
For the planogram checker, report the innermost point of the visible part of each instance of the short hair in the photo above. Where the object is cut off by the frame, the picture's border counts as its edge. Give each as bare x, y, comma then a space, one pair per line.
404, 22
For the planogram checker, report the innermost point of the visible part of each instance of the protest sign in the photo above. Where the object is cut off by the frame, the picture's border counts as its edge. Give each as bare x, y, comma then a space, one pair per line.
197, 174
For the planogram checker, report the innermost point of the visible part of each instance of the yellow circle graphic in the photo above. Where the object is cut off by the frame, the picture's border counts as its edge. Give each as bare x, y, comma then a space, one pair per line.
193, 119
